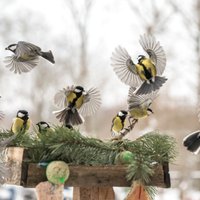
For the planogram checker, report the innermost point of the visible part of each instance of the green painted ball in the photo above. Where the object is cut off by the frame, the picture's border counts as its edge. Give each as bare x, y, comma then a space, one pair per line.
125, 157
57, 172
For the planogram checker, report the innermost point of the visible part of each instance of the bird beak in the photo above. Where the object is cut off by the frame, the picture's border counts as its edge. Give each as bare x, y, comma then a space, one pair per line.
6, 48
149, 109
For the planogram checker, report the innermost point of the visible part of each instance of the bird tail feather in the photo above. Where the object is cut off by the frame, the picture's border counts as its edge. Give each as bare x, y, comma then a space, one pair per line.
69, 116
147, 88
48, 55
192, 142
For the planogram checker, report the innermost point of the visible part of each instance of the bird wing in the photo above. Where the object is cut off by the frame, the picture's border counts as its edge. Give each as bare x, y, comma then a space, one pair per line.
25, 48
131, 91
17, 125
143, 101
60, 98
19, 66
1, 112
91, 102
124, 67
155, 52
1, 115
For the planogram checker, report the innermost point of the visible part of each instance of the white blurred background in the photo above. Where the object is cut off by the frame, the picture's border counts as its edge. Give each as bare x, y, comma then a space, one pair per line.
82, 35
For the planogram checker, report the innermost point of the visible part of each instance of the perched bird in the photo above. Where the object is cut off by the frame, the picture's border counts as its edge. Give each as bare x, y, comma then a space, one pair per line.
139, 105
118, 122
146, 74
21, 122
43, 126
192, 142
26, 56
75, 101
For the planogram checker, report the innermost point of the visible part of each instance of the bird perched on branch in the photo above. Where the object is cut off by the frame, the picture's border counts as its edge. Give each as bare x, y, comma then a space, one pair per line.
21, 123
75, 101
192, 142
118, 122
146, 74
26, 56
139, 105
43, 126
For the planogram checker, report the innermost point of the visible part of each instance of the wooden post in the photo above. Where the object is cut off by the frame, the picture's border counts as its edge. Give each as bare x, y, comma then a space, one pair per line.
47, 191
15, 156
93, 193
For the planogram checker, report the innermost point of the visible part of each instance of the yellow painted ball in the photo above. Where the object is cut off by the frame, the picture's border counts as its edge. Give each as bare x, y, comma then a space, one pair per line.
57, 172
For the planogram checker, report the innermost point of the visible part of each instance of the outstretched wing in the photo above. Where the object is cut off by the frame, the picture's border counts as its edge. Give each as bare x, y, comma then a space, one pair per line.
60, 98
155, 52
124, 67
26, 48
19, 66
92, 102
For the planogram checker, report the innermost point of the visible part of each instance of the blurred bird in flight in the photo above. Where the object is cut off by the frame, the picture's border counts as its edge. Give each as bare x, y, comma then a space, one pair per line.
25, 57
76, 101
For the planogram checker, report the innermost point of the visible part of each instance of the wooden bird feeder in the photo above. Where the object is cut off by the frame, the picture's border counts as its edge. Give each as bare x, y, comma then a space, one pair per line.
89, 182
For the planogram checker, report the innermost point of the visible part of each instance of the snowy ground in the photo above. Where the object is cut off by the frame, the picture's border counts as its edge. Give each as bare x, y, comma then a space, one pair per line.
11, 192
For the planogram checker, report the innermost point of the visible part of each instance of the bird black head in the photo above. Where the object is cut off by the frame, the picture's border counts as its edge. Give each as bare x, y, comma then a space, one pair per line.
22, 114
43, 126
11, 47
79, 89
140, 58
122, 113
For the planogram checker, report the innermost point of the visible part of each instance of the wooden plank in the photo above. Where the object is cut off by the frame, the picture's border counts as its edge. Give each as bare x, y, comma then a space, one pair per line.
93, 193
29, 175
96, 176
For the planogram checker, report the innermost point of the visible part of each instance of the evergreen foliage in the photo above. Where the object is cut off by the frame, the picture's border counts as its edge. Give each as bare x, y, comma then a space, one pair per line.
61, 143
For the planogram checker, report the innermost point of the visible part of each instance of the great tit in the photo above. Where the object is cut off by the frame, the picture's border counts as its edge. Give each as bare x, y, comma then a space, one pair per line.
43, 126
21, 122
192, 142
139, 105
146, 74
118, 122
26, 56
75, 101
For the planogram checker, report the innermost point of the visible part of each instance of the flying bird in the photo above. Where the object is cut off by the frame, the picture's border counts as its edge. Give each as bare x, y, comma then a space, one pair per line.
76, 101
146, 73
139, 105
25, 57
